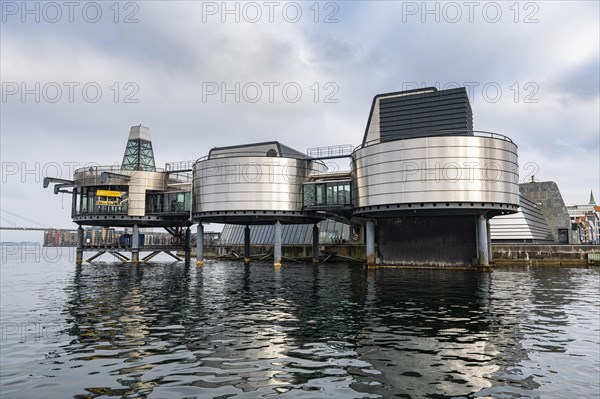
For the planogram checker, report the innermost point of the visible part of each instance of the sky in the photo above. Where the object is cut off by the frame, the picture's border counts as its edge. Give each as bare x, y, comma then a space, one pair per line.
77, 75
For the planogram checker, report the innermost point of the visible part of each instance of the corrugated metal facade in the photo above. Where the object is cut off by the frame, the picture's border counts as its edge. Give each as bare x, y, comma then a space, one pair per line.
527, 225
330, 232
425, 114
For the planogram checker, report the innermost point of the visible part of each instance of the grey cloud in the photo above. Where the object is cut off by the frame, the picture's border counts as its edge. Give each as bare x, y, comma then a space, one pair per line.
171, 52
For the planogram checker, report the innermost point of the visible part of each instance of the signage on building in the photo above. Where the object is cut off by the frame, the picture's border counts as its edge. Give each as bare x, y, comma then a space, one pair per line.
107, 193
108, 202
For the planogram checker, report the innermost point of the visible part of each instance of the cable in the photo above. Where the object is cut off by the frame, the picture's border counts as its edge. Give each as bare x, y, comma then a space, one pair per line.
24, 218
9, 221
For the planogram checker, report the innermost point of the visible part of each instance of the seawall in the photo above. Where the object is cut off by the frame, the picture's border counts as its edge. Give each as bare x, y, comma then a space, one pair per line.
503, 254
546, 254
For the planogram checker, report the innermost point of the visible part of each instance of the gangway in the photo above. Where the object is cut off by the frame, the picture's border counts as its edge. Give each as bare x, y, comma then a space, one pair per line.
331, 152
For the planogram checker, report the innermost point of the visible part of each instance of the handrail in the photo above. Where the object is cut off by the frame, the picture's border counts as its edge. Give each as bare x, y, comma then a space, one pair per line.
109, 168
260, 154
441, 133
179, 165
334, 151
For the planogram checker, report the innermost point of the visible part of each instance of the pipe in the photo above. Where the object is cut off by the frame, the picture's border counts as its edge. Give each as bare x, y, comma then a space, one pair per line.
105, 175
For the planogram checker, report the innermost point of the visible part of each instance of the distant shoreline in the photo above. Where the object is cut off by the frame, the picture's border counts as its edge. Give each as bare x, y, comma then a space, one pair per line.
4, 243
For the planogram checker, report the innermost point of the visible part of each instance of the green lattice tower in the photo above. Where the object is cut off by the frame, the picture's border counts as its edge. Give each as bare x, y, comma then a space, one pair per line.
138, 153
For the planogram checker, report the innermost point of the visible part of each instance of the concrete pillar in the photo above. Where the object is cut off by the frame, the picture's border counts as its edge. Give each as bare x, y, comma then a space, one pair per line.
489, 240
247, 244
277, 245
188, 246
79, 253
200, 245
135, 245
370, 244
315, 243
482, 242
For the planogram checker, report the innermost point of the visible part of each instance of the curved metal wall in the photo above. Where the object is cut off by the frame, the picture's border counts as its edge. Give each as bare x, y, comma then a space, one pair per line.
445, 169
138, 184
142, 181
250, 183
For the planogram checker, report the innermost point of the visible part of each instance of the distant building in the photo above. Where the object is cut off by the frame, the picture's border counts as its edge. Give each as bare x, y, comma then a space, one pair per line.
108, 236
60, 238
585, 222
542, 217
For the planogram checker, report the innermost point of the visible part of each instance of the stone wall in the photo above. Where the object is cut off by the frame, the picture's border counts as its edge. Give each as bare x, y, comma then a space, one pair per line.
532, 254
294, 251
550, 202
503, 254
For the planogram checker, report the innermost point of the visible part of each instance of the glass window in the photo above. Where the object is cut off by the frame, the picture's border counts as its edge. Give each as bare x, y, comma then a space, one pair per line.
320, 197
309, 195
344, 193
84, 199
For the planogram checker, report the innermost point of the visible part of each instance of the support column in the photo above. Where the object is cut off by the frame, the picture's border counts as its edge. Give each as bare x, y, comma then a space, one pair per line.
489, 241
200, 245
188, 246
79, 252
247, 244
277, 245
135, 245
315, 243
370, 243
482, 242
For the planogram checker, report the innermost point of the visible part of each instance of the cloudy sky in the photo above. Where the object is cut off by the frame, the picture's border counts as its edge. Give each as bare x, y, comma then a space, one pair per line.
75, 76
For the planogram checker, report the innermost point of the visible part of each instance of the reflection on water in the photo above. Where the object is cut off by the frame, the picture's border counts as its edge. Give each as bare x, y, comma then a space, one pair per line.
302, 331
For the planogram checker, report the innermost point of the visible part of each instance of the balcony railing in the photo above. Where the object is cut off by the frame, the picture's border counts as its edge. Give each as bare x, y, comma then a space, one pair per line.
336, 151
442, 133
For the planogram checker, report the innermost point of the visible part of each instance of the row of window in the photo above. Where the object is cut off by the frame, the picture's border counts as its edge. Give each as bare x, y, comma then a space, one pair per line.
93, 200
169, 202
98, 200
338, 193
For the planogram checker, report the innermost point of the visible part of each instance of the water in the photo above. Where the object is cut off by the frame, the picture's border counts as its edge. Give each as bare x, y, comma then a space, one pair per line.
333, 330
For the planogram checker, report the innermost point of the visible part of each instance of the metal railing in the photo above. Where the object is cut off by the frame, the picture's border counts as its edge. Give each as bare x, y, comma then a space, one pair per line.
179, 178
260, 154
98, 169
441, 133
178, 208
179, 165
342, 150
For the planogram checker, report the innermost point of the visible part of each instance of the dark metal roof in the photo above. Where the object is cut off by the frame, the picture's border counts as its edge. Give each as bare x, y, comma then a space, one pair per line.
421, 112
256, 149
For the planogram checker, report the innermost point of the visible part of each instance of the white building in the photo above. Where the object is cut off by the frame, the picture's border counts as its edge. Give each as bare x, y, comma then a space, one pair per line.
585, 220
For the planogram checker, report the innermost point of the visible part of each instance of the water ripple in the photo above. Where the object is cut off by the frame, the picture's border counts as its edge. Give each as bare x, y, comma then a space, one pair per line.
336, 330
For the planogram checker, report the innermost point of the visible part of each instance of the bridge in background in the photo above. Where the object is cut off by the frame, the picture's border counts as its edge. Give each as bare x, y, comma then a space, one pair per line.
34, 228
18, 226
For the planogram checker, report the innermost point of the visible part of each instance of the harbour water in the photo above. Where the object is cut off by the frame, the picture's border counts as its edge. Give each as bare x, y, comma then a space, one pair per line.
227, 330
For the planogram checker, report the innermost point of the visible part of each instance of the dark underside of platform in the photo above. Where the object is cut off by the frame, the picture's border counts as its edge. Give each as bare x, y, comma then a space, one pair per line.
440, 241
